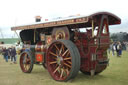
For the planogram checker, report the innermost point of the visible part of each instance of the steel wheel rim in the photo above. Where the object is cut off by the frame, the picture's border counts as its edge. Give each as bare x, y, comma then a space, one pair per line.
25, 62
59, 61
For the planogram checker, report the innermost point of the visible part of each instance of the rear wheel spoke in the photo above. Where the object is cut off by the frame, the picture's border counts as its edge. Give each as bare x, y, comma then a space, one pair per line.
62, 71
56, 47
67, 65
53, 62
69, 62
65, 52
66, 71
53, 53
54, 58
69, 58
56, 69
61, 49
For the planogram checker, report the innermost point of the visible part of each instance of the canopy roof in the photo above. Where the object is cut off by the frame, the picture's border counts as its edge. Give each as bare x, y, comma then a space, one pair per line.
79, 20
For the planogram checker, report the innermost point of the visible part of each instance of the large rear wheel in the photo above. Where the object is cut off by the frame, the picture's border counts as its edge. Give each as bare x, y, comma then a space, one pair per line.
63, 60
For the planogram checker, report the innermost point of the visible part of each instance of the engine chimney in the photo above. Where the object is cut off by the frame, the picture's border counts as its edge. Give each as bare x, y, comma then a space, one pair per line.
38, 18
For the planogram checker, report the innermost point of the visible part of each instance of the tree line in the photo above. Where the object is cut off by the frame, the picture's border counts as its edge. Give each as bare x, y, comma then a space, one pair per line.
120, 36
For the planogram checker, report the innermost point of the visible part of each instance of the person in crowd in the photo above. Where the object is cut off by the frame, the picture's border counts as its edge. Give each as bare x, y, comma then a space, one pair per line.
13, 55
113, 48
109, 49
117, 51
1, 49
9, 53
120, 48
5, 54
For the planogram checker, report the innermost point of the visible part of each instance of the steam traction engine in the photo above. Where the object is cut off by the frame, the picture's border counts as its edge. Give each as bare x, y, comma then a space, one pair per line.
66, 46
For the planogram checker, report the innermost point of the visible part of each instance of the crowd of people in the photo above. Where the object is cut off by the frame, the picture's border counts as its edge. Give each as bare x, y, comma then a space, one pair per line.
9, 53
116, 47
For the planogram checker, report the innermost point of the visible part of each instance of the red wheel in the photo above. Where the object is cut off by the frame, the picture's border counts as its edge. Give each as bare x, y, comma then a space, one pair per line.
26, 62
63, 60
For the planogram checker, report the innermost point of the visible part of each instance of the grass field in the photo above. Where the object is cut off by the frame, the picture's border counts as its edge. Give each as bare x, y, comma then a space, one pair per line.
9, 40
115, 74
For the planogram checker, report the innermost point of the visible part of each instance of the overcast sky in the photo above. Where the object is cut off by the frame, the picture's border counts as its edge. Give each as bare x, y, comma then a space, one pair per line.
18, 12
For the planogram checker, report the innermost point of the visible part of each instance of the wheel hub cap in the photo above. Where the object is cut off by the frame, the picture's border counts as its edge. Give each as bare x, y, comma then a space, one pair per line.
59, 60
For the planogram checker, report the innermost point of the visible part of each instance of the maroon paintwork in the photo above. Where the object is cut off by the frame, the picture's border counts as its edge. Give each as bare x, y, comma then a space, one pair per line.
91, 44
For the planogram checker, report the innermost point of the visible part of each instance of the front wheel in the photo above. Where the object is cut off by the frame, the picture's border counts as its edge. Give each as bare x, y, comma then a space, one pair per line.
63, 60
26, 62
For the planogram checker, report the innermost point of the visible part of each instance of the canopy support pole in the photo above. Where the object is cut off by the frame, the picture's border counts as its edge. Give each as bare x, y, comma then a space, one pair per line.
34, 36
92, 28
17, 34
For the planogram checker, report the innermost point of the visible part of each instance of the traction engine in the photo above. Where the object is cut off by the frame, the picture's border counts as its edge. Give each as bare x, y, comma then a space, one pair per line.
65, 47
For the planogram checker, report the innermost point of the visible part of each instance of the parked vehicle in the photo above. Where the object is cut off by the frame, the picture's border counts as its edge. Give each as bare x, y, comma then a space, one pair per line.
63, 49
